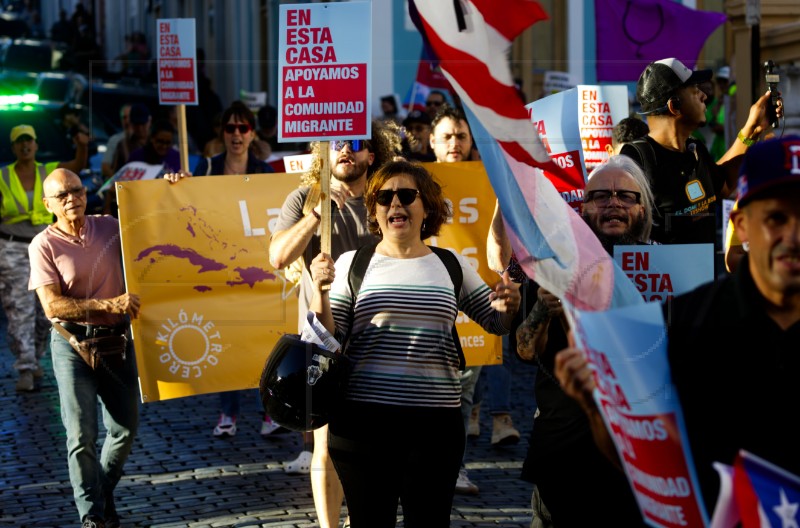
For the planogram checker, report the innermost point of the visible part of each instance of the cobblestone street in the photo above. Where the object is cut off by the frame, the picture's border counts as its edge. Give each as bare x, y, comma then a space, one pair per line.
180, 475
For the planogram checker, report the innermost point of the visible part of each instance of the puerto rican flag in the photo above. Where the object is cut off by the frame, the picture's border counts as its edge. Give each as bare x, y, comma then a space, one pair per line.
756, 493
429, 77
553, 244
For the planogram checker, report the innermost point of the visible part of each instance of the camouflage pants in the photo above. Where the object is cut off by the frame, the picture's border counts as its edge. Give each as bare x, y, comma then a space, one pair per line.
28, 328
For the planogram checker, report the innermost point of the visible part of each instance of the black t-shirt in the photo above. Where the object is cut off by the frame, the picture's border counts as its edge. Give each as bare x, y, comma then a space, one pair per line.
735, 371
686, 187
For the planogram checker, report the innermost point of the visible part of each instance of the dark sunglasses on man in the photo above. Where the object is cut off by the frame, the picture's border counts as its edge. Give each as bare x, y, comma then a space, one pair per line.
406, 196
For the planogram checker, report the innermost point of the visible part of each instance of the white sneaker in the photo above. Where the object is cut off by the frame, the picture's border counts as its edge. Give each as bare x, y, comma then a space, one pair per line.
299, 466
269, 427
226, 426
464, 486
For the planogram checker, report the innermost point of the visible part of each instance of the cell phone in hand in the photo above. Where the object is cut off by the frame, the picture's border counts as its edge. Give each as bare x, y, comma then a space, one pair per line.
772, 78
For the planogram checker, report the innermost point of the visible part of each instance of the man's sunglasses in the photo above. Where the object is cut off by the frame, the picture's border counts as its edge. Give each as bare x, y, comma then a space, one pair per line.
356, 145
602, 197
231, 129
406, 196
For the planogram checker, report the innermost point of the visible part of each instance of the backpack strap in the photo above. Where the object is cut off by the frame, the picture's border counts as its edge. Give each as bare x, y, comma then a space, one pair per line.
648, 156
453, 266
355, 276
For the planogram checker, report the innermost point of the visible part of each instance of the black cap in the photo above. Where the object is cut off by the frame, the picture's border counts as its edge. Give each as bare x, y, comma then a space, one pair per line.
661, 79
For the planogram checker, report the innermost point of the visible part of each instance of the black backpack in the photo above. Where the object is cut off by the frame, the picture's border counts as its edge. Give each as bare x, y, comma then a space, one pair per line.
359, 267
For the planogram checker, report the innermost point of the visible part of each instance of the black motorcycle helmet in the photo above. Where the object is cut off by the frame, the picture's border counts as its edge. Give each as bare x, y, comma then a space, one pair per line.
302, 383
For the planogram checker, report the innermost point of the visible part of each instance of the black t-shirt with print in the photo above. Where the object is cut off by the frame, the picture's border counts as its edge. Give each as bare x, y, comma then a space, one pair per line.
686, 187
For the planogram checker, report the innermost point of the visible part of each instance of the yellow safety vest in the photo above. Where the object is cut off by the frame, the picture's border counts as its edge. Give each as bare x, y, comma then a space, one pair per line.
15, 207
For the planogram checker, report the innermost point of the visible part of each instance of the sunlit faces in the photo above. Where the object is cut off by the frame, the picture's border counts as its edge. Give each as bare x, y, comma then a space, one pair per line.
771, 227
65, 195
396, 220
451, 140
348, 166
237, 136
692, 104
618, 213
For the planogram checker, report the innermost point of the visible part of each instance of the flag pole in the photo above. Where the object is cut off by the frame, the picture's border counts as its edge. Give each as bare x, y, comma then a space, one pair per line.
183, 139
325, 199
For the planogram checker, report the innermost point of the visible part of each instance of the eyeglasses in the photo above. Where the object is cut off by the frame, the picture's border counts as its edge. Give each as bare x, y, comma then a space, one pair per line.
434, 103
231, 129
163, 142
386, 196
602, 197
76, 192
356, 145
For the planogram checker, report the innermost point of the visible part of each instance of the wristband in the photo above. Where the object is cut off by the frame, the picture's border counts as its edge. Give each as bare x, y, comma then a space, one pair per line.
746, 140
316, 214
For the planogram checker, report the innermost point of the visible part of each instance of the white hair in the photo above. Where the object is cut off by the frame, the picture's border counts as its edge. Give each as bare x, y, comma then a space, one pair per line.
632, 169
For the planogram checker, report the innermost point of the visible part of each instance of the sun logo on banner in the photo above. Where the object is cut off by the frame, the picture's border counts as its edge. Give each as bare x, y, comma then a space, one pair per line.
189, 345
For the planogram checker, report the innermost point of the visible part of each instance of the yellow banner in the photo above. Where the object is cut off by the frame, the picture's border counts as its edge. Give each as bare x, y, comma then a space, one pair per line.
213, 307
467, 187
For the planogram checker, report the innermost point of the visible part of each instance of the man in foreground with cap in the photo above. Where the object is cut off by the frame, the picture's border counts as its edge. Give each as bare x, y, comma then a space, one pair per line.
686, 181
76, 270
22, 216
417, 143
733, 344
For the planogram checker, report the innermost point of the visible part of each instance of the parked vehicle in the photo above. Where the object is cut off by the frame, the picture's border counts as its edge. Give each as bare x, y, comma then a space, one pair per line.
55, 142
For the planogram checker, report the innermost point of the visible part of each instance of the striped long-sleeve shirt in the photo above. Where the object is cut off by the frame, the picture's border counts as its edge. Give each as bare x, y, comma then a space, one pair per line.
401, 346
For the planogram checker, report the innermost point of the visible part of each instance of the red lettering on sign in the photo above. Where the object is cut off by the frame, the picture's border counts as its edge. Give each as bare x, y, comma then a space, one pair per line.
298, 17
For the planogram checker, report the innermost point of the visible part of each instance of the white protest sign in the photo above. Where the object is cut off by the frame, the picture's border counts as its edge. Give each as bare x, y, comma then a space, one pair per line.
177, 61
599, 109
133, 171
325, 86
628, 354
253, 100
661, 272
557, 81
298, 163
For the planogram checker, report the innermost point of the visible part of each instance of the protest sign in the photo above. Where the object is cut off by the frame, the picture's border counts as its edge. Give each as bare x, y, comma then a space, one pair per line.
325, 87
575, 125
599, 109
468, 190
177, 61
626, 348
133, 171
298, 162
557, 81
197, 254
661, 272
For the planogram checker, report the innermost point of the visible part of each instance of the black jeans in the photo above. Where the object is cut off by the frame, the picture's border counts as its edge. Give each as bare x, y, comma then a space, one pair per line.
386, 453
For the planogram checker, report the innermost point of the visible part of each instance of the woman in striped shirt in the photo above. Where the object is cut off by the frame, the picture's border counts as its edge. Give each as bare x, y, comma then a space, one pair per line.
400, 434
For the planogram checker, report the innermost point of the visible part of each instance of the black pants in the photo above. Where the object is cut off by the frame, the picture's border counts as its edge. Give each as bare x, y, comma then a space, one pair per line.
385, 453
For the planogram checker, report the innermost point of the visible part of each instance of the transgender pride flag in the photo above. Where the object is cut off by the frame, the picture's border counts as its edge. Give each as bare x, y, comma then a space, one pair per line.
554, 245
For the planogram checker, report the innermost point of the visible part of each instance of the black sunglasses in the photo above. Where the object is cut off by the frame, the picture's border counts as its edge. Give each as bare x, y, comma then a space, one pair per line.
406, 196
356, 145
231, 129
